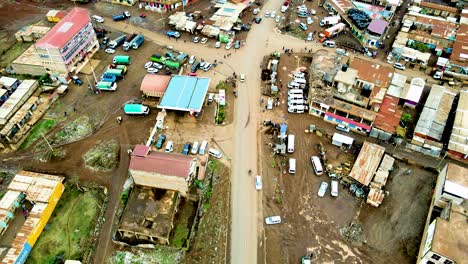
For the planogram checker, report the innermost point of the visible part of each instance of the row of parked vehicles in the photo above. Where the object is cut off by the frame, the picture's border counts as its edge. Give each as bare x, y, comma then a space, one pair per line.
297, 101
194, 149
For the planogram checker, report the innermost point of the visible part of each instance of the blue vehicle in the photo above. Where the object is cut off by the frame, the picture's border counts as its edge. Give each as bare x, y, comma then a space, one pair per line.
173, 34
122, 16
302, 14
108, 77
160, 142
138, 41
117, 42
77, 80
186, 149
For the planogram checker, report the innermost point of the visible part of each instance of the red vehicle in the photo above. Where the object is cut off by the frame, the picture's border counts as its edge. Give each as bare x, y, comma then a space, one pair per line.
285, 6
142, 15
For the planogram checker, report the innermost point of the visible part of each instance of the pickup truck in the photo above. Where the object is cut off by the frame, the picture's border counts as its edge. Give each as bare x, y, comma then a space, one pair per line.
173, 34
122, 16
285, 6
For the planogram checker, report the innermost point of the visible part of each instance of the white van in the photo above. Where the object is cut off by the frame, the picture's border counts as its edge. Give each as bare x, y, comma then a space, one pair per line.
169, 146
195, 148
299, 75
203, 146
297, 109
296, 102
329, 43
294, 85
215, 153
290, 143
295, 92
258, 182
293, 97
318, 169
300, 81
292, 166
334, 188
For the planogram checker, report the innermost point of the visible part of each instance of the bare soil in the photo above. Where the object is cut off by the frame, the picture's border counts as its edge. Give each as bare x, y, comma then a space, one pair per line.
391, 233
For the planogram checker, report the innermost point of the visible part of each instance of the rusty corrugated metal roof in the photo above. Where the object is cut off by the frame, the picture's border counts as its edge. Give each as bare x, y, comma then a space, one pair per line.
367, 162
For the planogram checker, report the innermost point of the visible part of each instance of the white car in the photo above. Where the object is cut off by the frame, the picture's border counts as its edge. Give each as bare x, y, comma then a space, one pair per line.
157, 65
258, 182
192, 59
242, 77
278, 19
323, 189
267, 14
202, 64
399, 66
127, 14
148, 64
312, 12
310, 36
255, 11
152, 70
218, 44
229, 45
196, 39
98, 19
343, 128
273, 220
309, 20
203, 40
273, 14
109, 50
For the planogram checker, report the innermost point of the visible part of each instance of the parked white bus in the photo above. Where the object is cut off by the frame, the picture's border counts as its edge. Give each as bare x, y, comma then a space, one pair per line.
290, 143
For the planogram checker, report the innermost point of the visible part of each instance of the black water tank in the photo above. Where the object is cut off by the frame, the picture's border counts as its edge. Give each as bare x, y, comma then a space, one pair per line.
344, 67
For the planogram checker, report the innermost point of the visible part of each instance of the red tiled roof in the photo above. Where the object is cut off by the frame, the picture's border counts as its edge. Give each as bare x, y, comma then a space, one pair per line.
460, 46
372, 72
141, 150
155, 83
163, 163
389, 115
65, 30
438, 7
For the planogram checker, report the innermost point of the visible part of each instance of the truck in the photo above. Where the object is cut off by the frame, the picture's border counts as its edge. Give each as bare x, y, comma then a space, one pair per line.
334, 30
330, 21
106, 86
120, 59
117, 42
157, 58
120, 17
173, 64
107, 77
117, 72
129, 40
285, 6
136, 109
138, 41
120, 67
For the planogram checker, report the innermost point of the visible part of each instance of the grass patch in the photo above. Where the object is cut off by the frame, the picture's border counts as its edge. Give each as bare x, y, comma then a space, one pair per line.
296, 31
69, 229
13, 52
39, 129
103, 156
180, 235
160, 255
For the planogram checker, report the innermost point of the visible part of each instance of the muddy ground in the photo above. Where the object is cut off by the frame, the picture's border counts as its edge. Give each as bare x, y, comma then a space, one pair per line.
391, 233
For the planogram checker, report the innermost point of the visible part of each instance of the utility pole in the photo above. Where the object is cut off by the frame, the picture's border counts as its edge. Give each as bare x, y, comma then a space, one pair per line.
45, 139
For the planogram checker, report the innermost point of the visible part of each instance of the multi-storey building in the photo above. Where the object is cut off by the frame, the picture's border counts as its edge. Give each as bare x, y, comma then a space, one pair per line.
69, 45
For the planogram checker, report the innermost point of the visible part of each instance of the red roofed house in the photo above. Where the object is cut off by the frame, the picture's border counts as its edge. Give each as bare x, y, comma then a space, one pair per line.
154, 85
69, 45
163, 170
388, 118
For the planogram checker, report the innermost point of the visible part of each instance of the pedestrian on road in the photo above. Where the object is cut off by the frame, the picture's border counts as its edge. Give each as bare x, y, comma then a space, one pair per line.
283, 47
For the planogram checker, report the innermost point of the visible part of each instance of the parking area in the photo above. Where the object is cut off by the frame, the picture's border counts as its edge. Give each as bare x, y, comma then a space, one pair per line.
341, 229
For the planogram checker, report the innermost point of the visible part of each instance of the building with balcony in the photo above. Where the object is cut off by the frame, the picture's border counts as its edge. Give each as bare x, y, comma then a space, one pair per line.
445, 235
68, 46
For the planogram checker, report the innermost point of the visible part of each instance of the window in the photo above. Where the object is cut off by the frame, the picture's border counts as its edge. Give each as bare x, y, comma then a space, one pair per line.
435, 256
429, 262
448, 261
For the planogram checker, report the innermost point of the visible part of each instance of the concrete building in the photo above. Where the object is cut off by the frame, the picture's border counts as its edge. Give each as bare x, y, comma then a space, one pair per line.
372, 81
435, 9
459, 56
69, 45
458, 143
445, 237
162, 170
149, 216
29, 63
122, 2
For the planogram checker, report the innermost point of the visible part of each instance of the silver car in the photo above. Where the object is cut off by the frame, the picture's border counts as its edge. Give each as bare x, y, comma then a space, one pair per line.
323, 189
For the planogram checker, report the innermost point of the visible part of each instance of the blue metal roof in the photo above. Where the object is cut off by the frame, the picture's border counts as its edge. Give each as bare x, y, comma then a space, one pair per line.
185, 93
